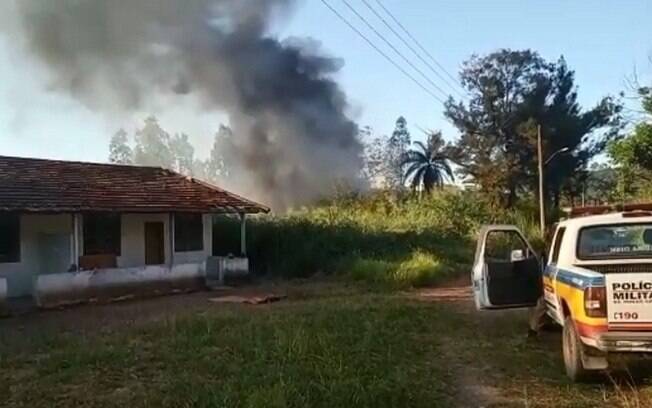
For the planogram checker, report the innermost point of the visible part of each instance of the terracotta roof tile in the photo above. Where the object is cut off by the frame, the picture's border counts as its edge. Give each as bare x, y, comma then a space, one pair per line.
38, 185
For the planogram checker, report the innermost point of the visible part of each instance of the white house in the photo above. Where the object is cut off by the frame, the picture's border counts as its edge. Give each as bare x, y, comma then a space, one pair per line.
72, 230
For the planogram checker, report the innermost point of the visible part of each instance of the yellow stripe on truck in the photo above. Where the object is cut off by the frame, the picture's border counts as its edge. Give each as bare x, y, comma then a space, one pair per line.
574, 299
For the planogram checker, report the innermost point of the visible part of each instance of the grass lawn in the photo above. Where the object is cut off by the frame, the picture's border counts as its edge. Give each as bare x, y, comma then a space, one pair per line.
332, 347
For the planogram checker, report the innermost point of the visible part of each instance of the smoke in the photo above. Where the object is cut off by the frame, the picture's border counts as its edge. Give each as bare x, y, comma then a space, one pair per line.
292, 139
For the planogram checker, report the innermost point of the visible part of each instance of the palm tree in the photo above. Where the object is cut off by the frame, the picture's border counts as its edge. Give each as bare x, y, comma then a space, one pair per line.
427, 164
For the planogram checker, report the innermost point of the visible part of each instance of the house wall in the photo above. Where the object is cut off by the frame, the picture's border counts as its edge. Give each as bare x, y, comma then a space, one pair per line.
20, 275
35, 230
133, 240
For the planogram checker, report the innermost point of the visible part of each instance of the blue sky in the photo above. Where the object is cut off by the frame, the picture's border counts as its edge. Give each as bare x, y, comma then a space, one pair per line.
603, 41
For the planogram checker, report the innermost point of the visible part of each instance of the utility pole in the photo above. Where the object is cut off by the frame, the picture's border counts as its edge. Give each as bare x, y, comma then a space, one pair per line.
542, 209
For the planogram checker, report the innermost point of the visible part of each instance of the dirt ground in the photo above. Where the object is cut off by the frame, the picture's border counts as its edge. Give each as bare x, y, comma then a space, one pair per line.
96, 318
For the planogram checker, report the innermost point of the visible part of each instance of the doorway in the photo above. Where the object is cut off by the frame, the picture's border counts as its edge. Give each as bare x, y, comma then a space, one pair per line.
154, 243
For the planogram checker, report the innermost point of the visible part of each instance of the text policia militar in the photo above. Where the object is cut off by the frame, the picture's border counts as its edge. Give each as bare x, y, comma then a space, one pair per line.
641, 290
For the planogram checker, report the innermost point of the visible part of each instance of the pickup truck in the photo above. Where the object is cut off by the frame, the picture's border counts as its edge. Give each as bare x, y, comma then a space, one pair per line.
596, 282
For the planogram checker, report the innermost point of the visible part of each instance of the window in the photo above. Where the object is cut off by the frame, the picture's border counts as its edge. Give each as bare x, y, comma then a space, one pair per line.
188, 232
9, 238
499, 246
226, 235
615, 241
102, 234
557, 245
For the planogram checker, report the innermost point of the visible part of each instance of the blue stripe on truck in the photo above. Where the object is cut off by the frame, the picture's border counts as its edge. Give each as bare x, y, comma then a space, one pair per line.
575, 279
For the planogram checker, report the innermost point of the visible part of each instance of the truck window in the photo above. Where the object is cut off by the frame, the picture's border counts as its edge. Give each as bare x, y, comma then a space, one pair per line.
500, 244
615, 241
556, 245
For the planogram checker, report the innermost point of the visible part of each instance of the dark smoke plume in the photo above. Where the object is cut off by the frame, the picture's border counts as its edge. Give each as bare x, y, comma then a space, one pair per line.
292, 140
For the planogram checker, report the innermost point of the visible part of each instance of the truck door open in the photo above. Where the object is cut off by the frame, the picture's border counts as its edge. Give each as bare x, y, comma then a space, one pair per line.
506, 272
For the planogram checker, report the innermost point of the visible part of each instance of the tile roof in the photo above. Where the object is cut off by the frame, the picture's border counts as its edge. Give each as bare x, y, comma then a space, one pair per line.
38, 185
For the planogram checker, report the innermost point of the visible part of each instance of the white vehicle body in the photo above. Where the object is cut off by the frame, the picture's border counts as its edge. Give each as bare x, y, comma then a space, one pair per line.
605, 296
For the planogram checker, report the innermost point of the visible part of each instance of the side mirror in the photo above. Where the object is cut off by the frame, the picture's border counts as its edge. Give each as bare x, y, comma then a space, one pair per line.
516, 255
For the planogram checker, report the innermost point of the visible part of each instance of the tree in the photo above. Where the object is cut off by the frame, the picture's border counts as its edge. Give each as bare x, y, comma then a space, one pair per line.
183, 154
397, 145
511, 92
200, 170
585, 133
633, 154
373, 169
216, 167
153, 146
119, 150
427, 165
600, 185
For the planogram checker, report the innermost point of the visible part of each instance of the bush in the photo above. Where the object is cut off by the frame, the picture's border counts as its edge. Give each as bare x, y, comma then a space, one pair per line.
369, 270
417, 270
421, 269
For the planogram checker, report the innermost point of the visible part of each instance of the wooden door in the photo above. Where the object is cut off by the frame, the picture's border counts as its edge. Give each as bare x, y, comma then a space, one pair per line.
154, 243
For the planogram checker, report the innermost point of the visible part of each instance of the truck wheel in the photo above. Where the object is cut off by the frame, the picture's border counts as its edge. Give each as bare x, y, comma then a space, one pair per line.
573, 349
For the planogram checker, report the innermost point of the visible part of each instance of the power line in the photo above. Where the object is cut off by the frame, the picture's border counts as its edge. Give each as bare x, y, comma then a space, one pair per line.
400, 54
453, 85
388, 58
405, 30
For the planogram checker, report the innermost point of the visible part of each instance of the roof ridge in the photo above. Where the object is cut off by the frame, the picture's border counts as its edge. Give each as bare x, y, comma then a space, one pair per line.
84, 185
83, 162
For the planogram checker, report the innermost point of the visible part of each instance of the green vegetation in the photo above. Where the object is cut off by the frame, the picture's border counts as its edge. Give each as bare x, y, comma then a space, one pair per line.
420, 269
427, 165
326, 346
399, 240
633, 154
512, 93
339, 352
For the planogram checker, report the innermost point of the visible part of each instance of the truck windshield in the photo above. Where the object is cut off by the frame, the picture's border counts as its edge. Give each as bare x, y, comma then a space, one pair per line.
615, 241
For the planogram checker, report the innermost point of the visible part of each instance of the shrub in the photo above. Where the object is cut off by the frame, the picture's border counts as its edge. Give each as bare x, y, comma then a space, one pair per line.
417, 270
368, 270
420, 269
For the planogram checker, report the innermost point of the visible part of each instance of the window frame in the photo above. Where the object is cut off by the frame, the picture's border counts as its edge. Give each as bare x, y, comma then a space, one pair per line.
15, 256
181, 234
85, 223
556, 245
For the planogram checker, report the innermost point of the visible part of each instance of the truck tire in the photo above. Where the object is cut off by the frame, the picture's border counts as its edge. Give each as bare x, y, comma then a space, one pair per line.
572, 349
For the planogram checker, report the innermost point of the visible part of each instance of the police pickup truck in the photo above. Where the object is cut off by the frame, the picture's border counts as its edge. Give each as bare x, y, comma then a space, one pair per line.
596, 282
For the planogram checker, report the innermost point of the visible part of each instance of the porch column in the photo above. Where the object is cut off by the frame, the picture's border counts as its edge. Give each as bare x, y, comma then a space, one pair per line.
73, 241
243, 234
171, 237
76, 240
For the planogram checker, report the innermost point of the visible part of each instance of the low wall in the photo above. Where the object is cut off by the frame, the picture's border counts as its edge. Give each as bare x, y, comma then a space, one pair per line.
4, 309
220, 268
105, 284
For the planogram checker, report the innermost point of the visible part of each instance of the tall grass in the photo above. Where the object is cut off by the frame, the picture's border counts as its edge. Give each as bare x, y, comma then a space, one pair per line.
381, 237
